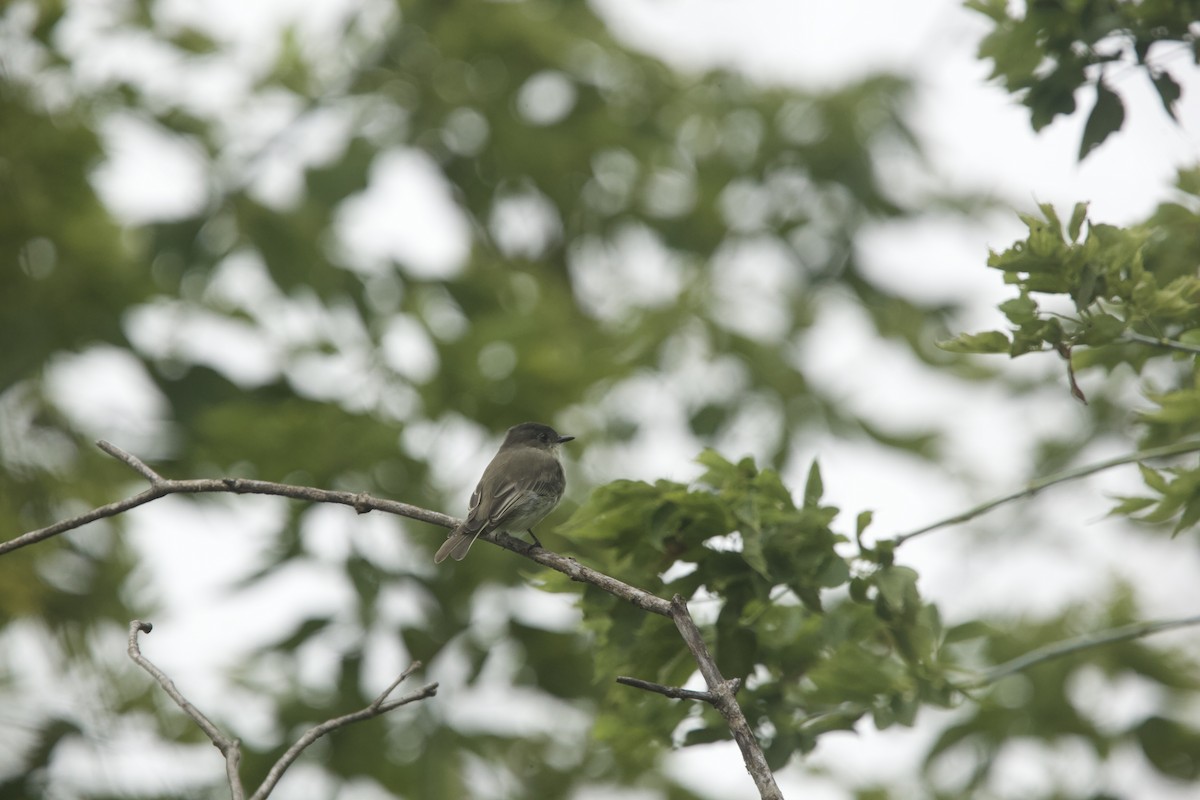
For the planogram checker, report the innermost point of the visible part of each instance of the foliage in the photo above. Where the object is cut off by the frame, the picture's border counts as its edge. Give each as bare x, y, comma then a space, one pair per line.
1126, 297
809, 665
1046, 52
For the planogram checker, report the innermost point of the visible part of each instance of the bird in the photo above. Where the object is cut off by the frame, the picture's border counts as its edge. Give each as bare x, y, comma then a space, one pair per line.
522, 484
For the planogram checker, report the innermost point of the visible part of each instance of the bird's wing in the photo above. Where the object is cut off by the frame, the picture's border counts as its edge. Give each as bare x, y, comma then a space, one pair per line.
493, 511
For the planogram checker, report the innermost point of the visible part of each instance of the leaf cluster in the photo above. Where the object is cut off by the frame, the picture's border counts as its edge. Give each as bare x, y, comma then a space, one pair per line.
818, 637
1046, 50
1106, 298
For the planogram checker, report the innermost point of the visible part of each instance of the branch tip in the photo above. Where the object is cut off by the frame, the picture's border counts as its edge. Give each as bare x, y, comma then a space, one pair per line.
383, 696
674, 692
130, 460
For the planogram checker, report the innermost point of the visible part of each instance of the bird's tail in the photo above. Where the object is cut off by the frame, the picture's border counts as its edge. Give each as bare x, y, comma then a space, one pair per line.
457, 544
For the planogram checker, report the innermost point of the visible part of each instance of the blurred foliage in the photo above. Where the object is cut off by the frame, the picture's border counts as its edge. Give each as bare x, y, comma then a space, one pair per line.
620, 223
1044, 51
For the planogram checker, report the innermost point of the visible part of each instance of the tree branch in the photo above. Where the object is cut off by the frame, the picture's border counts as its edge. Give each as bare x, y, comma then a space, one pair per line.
1161, 341
381, 705
1069, 647
161, 487
1035, 486
721, 690
231, 749
361, 502
673, 692
724, 702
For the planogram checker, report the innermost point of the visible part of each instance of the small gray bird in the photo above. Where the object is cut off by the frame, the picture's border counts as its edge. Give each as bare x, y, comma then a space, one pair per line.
518, 489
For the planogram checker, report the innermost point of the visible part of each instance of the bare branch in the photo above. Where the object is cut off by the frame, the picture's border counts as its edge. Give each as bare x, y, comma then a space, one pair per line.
160, 487
673, 692
1035, 486
110, 510
379, 706
133, 461
723, 701
229, 748
1069, 647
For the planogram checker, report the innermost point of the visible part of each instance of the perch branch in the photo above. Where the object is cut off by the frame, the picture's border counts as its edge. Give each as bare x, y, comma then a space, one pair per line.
161, 487
361, 502
1035, 486
231, 749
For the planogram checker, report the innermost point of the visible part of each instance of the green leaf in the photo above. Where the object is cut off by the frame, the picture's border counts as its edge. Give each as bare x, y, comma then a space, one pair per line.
1101, 329
986, 342
1054, 94
720, 472
897, 587
860, 527
1020, 310
835, 572
1078, 216
813, 487
1106, 118
1131, 505
1153, 479
1190, 516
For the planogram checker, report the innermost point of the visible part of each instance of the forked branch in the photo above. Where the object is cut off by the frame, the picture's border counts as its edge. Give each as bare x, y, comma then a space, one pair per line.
229, 747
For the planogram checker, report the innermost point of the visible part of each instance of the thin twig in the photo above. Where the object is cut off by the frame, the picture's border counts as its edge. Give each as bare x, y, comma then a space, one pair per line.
725, 703
1035, 486
138, 465
1161, 341
380, 705
1087, 641
673, 692
848, 710
230, 749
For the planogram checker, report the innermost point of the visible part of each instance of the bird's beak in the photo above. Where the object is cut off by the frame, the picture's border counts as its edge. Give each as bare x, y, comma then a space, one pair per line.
563, 439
